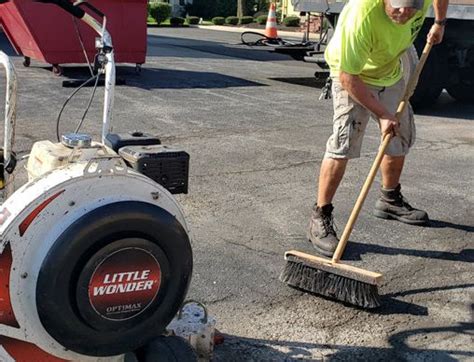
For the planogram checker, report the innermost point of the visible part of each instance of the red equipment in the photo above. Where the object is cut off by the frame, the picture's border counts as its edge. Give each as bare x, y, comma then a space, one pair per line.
34, 37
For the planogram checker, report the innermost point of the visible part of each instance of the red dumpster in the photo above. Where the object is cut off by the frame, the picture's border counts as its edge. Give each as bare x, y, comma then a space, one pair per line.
47, 33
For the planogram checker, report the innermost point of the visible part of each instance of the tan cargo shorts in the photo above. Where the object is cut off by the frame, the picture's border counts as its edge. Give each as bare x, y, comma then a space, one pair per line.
350, 121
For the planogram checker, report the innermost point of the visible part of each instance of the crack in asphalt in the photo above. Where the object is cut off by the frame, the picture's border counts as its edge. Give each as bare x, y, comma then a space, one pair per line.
257, 170
275, 343
260, 251
402, 275
225, 133
218, 300
345, 322
438, 145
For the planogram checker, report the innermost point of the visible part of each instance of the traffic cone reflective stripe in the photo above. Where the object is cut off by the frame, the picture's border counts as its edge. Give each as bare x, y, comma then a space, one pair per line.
271, 26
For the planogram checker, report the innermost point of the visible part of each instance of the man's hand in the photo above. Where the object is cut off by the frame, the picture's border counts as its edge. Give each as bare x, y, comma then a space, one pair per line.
389, 124
359, 91
435, 35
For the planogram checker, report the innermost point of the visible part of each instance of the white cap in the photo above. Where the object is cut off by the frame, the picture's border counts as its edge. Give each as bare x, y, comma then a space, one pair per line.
417, 4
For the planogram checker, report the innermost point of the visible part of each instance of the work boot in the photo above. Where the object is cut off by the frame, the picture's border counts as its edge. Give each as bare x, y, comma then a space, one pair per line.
321, 230
392, 205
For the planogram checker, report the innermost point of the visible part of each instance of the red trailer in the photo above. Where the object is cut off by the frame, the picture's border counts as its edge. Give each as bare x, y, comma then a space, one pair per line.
38, 37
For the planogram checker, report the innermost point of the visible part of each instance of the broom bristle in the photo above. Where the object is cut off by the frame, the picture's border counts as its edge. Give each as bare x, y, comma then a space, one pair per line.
308, 278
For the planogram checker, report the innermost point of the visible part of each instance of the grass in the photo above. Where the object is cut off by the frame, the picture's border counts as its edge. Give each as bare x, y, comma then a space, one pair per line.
151, 21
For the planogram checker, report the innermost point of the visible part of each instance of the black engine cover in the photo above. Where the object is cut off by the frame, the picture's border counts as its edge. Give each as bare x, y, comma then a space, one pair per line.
118, 140
168, 166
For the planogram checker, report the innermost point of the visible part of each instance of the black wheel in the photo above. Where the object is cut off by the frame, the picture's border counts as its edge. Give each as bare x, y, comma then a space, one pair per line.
117, 276
138, 68
57, 70
432, 78
167, 349
26, 62
427, 91
463, 91
131, 357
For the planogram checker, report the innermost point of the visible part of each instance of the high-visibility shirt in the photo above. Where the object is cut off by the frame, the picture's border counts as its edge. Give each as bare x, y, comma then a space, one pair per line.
369, 44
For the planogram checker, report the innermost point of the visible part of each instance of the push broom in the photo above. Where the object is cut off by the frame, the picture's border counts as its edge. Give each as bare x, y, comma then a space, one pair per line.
329, 277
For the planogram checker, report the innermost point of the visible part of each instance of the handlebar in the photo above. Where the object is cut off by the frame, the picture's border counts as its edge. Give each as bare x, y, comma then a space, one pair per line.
10, 119
108, 53
90, 7
66, 5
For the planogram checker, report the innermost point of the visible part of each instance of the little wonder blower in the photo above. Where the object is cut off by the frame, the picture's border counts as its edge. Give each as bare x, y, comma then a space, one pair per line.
95, 252
328, 277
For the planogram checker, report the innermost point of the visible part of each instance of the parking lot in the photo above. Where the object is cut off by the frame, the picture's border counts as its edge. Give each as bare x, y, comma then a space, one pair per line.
256, 132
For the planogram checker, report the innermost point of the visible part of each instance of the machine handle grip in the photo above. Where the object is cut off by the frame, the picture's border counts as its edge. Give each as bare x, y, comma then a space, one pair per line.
66, 5
90, 7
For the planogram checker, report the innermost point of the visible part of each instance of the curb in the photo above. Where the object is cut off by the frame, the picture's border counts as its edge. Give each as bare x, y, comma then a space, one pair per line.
290, 34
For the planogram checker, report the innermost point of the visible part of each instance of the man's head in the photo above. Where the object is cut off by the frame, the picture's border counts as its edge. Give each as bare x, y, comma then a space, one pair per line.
400, 11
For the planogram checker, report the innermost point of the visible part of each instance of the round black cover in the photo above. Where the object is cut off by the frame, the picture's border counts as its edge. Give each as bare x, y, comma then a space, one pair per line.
108, 235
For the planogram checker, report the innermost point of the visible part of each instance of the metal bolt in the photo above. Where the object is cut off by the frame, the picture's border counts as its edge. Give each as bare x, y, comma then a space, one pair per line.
24, 275
155, 195
72, 203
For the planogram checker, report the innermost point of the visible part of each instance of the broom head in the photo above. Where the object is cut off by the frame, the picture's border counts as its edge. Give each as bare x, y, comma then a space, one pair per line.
338, 281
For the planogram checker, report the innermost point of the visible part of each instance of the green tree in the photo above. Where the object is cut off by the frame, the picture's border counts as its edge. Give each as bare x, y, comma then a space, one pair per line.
226, 7
202, 8
160, 11
262, 5
209, 9
249, 7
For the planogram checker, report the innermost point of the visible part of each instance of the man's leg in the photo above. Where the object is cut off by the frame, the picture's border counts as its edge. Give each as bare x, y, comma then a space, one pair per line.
350, 120
330, 176
392, 204
391, 168
321, 230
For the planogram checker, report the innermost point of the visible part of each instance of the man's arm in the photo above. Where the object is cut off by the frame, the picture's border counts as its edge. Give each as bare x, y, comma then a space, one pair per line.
436, 33
360, 92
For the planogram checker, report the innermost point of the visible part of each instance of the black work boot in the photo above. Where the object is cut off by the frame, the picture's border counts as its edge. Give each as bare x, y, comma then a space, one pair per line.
321, 230
392, 205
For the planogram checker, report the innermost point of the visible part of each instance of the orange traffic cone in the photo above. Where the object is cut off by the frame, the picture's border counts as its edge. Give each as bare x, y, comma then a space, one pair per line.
271, 27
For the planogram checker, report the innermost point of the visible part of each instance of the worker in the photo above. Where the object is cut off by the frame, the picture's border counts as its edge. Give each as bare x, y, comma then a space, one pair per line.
364, 59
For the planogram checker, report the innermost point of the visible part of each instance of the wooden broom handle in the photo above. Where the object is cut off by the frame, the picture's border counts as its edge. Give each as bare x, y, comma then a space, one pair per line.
410, 88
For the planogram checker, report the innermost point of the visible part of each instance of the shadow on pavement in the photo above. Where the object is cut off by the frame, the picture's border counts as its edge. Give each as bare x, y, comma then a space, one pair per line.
399, 342
208, 49
429, 290
391, 306
157, 78
388, 306
439, 224
312, 82
356, 249
152, 78
399, 349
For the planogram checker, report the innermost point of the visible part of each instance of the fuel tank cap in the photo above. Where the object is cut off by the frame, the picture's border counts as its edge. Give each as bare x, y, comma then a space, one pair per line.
76, 140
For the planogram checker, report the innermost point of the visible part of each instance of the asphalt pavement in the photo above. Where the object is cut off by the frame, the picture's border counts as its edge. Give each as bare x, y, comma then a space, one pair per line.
256, 132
